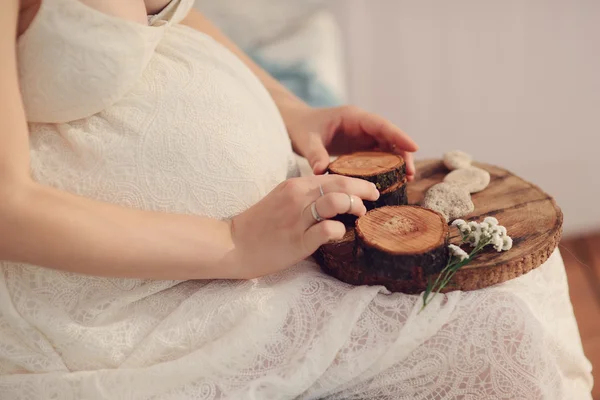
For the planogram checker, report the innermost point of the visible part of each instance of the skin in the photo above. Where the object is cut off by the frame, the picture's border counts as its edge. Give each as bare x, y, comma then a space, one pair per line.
41, 225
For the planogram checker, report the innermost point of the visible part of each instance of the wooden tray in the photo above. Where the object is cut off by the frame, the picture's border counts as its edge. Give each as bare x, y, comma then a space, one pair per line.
532, 219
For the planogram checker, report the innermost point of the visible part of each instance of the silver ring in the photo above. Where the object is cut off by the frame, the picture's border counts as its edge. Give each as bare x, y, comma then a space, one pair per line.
351, 204
321, 190
315, 214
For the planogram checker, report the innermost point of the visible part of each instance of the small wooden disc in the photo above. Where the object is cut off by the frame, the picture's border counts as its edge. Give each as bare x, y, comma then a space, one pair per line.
383, 169
406, 230
407, 243
395, 195
337, 252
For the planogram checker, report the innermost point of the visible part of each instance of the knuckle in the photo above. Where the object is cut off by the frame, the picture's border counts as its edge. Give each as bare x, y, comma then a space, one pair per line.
346, 183
331, 230
328, 230
292, 187
330, 201
350, 108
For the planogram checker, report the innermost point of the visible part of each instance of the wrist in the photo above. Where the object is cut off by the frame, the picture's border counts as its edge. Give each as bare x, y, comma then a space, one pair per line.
230, 266
288, 104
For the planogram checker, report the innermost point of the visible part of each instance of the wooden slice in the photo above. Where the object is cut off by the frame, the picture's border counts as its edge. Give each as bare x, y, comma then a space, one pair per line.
531, 216
334, 255
383, 169
402, 242
395, 195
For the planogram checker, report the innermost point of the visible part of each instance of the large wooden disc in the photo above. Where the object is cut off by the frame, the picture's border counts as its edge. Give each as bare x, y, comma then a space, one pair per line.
383, 169
531, 216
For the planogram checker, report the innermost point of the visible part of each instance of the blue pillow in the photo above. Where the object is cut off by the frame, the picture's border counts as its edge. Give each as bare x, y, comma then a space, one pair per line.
300, 79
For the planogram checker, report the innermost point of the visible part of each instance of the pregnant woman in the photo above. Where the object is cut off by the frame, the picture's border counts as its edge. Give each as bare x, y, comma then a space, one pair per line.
155, 231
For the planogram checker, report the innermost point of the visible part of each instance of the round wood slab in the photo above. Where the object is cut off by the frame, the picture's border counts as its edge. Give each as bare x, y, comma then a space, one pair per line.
383, 169
532, 219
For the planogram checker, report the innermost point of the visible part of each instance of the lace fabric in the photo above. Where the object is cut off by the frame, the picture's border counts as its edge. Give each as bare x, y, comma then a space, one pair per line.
301, 334
196, 133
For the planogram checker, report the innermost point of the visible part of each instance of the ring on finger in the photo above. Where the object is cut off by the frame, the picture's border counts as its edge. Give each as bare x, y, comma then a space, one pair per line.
351, 204
315, 213
321, 190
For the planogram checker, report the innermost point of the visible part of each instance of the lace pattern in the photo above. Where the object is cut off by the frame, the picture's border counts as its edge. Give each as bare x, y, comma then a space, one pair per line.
196, 133
301, 334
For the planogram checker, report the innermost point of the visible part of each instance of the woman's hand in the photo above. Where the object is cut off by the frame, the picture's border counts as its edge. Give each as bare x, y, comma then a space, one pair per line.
318, 133
283, 229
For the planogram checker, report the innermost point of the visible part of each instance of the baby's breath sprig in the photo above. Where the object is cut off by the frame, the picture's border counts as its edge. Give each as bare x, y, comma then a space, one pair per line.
477, 235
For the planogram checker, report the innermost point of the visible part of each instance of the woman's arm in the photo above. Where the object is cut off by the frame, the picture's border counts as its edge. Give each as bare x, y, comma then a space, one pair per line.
47, 227
44, 226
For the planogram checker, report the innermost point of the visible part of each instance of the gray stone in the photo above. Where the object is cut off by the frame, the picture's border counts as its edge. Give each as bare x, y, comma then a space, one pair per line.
450, 200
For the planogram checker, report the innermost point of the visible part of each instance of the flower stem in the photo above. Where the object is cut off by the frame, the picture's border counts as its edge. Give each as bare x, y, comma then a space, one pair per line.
447, 274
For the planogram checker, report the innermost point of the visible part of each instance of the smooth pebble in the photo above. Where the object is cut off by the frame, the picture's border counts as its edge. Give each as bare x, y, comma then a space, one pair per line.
472, 178
457, 159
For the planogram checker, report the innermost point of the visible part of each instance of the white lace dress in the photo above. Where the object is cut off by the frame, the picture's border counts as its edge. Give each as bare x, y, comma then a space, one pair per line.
163, 118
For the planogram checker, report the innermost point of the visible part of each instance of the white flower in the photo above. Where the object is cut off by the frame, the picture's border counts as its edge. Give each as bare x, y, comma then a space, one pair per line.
501, 230
474, 226
457, 252
459, 222
497, 241
507, 243
461, 225
474, 238
484, 233
465, 229
486, 229
491, 220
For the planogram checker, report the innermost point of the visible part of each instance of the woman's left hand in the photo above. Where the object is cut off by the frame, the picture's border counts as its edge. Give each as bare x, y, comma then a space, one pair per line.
318, 133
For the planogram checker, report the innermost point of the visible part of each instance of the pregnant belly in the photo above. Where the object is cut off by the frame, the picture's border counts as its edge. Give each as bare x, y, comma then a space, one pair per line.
198, 134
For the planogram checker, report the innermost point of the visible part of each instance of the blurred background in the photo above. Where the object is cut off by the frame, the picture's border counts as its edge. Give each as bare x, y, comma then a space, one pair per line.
515, 83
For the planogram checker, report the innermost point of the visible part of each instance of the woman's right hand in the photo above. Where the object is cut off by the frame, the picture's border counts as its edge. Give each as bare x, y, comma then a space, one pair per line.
281, 229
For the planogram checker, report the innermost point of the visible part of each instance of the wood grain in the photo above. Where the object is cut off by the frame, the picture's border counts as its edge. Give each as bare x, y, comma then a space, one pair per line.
402, 230
366, 163
532, 219
383, 169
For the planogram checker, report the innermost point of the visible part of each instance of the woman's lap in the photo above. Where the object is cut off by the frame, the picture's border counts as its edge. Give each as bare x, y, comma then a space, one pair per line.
304, 334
